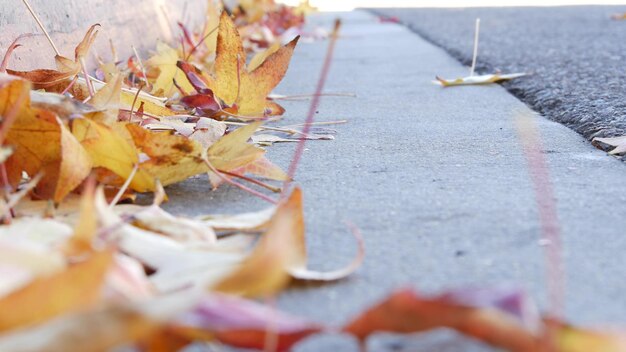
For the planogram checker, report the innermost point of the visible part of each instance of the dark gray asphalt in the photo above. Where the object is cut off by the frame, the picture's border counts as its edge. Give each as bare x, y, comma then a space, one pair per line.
576, 55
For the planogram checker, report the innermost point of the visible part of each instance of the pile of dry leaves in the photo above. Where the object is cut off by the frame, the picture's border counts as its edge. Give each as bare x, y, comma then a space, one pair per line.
82, 268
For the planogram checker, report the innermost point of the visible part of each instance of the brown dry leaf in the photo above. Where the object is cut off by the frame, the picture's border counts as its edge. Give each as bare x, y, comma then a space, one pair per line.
172, 158
14, 101
74, 289
66, 68
62, 159
498, 316
619, 144
236, 84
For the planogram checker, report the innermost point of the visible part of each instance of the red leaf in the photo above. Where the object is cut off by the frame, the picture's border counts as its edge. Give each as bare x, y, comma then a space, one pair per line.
498, 316
245, 324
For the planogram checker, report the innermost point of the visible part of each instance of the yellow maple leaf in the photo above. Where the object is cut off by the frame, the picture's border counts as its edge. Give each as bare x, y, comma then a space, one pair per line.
234, 83
165, 61
112, 148
171, 158
232, 151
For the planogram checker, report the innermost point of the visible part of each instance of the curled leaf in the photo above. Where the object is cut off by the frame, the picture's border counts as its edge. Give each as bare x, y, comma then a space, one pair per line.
477, 80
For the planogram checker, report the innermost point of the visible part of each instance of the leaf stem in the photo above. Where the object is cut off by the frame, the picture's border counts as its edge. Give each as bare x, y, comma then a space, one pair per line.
251, 180
314, 105
43, 29
143, 68
124, 187
238, 185
87, 79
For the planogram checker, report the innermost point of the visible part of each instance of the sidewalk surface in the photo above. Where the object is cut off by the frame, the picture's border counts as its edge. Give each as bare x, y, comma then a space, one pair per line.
438, 183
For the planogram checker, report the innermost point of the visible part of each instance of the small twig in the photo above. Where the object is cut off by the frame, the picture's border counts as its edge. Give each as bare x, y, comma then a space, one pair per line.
193, 50
90, 89
251, 180
475, 54
113, 51
43, 29
241, 117
144, 113
236, 184
69, 86
337, 122
132, 107
307, 96
124, 187
269, 128
238, 79
143, 68
313, 107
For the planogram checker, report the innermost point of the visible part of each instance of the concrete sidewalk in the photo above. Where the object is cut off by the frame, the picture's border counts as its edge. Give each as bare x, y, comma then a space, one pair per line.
437, 181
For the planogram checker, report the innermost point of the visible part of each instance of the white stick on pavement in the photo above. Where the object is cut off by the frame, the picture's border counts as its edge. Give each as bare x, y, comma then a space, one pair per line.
476, 35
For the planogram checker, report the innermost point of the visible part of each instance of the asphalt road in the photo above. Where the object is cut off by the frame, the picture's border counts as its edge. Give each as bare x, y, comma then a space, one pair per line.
438, 183
576, 56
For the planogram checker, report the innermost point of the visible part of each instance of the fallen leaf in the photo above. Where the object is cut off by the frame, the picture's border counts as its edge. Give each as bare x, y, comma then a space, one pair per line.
499, 316
477, 80
165, 62
281, 253
66, 68
619, 144
111, 147
107, 101
24, 259
266, 270
236, 84
171, 158
76, 288
62, 159
567, 338
101, 329
241, 323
